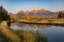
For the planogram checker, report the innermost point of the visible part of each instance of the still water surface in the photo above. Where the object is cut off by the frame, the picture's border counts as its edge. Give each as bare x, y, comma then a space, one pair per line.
54, 33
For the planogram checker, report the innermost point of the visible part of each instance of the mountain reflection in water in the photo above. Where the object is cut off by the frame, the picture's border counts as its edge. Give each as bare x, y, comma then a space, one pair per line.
35, 27
54, 33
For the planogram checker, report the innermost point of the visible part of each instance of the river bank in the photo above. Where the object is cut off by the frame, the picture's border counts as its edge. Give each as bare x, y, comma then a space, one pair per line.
46, 22
11, 35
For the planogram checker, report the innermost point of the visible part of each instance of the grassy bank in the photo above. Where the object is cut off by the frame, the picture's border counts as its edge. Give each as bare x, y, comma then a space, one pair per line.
9, 35
46, 22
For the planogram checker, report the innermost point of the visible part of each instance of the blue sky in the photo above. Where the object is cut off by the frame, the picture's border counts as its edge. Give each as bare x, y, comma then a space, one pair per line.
15, 6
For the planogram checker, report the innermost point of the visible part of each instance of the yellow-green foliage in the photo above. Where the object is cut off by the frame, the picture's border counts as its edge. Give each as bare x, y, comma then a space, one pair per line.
31, 37
10, 35
26, 36
30, 18
40, 37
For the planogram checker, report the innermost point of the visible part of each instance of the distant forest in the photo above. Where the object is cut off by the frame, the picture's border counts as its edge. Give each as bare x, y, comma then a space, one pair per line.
61, 14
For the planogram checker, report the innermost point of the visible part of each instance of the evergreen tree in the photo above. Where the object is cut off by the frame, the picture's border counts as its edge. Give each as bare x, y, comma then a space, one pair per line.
4, 14
61, 15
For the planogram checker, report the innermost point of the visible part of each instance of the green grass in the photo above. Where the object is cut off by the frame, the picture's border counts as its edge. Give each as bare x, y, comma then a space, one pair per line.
31, 37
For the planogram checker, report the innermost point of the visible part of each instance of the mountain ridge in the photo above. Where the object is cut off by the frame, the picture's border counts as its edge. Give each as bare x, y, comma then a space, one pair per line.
34, 12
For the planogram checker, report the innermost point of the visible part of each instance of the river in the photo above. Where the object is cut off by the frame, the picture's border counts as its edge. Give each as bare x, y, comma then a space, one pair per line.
54, 33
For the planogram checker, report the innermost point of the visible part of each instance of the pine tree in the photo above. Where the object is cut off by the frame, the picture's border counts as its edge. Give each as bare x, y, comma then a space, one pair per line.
59, 15
4, 14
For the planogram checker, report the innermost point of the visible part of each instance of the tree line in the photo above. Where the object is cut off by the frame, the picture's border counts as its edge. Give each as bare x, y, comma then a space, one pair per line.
61, 14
